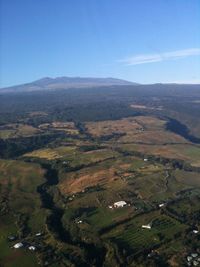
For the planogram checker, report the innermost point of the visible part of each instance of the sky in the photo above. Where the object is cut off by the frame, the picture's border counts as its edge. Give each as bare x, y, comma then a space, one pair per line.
138, 40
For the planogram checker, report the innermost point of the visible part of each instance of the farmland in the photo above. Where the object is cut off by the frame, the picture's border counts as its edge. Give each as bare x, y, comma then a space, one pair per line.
62, 171
145, 130
18, 186
17, 130
163, 229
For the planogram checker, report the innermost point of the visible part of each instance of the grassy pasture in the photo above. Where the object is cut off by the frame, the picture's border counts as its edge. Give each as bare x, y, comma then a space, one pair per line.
77, 181
114, 185
52, 153
18, 185
132, 235
102, 177
150, 122
141, 129
17, 130
103, 217
10, 257
99, 217
122, 175
102, 128
21, 207
46, 153
72, 155
188, 178
152, 137
105, 173
78, 158
187, 152
68, 127
5, 134
187, 206
149, 185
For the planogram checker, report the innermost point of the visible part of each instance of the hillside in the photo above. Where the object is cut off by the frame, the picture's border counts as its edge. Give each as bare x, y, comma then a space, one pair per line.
65, 83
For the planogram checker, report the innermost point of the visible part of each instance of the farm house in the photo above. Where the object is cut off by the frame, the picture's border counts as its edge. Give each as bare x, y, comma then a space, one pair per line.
32, 248
120, 204
147, 226
18, 245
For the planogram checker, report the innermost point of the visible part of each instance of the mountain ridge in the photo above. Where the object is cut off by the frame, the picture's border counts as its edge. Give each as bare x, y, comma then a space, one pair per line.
48, 83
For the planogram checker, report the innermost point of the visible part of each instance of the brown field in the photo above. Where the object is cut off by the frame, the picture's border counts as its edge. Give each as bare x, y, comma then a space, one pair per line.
153, 137
110, 174
78, 182
186, 152
102, 128
188, 178
46, 153
103, 174
141, 129
51, 153
17, 130
150, 122
68, 127
12, 172
59, 124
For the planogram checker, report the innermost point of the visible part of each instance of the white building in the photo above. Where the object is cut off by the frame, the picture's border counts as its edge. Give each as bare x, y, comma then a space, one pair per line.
146, 226
120, 204
189, 258
18, 245
194, 255
32, 248
161, 205
38, 234
145, 159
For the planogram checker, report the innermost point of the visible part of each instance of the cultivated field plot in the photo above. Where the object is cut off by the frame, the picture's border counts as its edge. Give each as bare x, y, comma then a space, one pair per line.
188, 178
18, 187
96, 218
52, 153
95, 188
106, 171
102, 128
17, 130
187, 207
68, 188
20, 207
133, 236
148, 181
67, 127
10, 257
187, 152
140, 129
100, 174
72, 156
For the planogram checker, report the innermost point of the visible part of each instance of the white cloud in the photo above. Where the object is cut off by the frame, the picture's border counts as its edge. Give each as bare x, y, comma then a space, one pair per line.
149, 58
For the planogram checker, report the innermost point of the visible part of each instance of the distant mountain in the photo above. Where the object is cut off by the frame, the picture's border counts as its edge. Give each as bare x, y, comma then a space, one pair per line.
65, 83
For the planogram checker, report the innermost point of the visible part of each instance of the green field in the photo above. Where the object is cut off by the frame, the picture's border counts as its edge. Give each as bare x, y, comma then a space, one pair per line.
64, 188
21, 210
134, 237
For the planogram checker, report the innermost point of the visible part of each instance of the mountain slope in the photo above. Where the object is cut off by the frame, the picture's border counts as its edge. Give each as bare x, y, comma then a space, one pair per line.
65, 83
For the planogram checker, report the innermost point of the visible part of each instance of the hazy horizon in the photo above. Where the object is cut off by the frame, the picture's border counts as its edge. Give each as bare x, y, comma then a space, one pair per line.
134, 83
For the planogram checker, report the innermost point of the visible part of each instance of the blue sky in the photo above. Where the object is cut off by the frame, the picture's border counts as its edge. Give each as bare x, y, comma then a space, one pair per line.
139, 40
